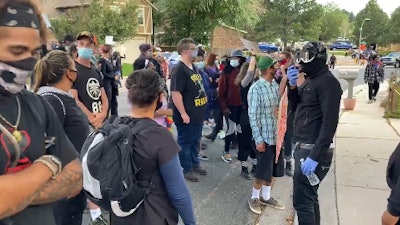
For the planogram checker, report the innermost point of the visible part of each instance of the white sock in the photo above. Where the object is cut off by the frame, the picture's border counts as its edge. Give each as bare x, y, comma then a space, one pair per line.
95, 213
256, 193
266, 192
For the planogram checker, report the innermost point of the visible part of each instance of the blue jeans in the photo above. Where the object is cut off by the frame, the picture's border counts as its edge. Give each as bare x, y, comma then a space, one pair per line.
189, 136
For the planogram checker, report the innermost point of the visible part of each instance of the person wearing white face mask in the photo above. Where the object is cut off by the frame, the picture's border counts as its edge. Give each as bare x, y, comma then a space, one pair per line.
190, 101
229, 99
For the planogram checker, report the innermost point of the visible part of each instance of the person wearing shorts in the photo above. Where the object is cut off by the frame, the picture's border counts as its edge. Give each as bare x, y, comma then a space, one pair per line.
263, 100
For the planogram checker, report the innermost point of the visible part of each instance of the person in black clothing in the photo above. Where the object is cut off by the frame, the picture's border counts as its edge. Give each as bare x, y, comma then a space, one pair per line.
317, 95
146, 51
55, 74
117, 64
392, 213
156, 154
190, 102
38, 164
109, 81
247, 147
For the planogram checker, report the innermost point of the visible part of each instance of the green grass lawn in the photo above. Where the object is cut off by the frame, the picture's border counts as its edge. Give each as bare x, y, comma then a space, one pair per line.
338, 52
127, 69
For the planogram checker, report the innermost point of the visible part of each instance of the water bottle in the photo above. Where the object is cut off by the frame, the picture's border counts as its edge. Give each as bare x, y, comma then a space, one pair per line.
312, 178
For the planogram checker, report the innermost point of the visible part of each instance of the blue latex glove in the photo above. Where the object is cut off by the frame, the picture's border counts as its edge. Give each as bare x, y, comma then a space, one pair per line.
309, 166
292, 74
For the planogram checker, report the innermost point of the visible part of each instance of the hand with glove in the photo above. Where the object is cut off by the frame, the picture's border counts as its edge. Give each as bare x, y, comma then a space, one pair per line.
293, 75
308, 166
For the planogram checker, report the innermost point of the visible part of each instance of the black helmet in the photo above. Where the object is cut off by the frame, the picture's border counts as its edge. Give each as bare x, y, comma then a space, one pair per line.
236, 53
311, 51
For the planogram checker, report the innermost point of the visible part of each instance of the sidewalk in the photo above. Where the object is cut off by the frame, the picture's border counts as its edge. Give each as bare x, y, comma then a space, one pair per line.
355, 190
364, 142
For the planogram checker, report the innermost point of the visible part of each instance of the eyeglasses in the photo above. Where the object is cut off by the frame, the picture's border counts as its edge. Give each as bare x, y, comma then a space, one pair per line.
73, 70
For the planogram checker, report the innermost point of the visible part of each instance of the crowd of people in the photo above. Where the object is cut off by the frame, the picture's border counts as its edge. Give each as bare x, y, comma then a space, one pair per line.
74, 93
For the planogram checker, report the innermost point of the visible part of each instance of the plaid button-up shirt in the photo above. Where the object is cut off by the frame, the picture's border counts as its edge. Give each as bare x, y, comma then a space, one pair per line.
263, 100
374, 72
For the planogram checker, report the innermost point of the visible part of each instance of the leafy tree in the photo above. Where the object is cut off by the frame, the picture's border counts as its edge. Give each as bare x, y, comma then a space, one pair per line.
334, 23
197, 19
393, 26
289, 20
375, 30
102, 18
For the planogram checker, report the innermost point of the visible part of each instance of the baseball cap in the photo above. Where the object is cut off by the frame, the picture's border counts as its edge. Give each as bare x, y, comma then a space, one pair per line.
86, 34
265, 62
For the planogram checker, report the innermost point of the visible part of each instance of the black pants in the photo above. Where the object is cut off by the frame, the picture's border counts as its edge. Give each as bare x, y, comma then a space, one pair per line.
111, 92
219, 122
114, 101
235, 117
288, 140
245, 138
373, 89
305, 196
69, 212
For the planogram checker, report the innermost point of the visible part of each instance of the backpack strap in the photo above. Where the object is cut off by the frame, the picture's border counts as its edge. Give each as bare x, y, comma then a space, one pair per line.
59, 99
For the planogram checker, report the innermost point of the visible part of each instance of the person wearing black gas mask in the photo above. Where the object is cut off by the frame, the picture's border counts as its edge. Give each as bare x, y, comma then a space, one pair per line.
38, 164
317, 94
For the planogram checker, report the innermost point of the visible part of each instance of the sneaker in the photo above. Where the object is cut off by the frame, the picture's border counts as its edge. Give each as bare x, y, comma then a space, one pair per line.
200, 171
253, 169
272, 203
374, 99
255, 206
190, 176
226, 157
370, 101
245, 173
202, 157
288, 169
99, 221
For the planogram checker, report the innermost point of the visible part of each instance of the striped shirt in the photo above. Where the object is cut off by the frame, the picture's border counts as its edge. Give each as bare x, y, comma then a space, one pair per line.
263, 101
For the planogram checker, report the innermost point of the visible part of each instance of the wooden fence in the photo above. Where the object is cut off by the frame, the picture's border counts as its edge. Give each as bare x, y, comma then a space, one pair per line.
393, 99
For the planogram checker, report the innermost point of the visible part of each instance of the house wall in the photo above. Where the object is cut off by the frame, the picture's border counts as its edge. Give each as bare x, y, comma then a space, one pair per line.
225, 40
130, 48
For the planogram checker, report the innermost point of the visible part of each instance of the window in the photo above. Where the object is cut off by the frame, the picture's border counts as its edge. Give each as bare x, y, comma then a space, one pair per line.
140, 16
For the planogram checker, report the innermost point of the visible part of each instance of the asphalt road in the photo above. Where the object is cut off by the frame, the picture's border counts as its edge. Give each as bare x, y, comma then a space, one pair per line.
222, 195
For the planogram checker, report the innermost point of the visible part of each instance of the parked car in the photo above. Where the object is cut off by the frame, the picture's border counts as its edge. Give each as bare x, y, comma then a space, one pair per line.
265, 47
341, 45
392, 59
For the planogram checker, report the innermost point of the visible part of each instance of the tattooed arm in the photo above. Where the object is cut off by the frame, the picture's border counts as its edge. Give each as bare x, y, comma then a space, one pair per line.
14, 200
67, 184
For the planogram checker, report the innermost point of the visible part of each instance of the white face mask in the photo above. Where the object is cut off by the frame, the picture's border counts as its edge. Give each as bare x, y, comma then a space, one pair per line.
234, 63
13, 79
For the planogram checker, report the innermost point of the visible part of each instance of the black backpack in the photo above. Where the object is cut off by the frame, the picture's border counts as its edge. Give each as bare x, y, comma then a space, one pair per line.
109, 169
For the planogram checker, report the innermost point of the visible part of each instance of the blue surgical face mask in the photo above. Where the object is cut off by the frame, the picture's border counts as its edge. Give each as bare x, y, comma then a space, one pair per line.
200, 65
234, 63
85, 53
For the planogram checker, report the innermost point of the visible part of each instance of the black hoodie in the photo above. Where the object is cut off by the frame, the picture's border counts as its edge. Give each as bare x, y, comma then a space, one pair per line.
317, 113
